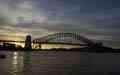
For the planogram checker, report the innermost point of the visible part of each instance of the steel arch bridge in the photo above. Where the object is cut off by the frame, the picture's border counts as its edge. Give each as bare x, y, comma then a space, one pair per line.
63, 39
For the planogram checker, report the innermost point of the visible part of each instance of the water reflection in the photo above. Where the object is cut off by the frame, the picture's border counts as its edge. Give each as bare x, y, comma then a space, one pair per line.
59, 63
17, 63
15, 58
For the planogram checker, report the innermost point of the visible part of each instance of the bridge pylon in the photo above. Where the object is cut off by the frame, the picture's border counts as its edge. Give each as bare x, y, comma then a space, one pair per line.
28, 42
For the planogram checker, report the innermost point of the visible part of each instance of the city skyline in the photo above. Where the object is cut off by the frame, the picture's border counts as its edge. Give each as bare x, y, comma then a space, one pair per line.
97, 20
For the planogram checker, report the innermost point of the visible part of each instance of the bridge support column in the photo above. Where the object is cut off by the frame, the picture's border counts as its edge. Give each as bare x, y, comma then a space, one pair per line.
28, 43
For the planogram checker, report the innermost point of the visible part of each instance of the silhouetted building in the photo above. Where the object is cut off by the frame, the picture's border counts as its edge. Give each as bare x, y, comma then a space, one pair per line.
28, 42
9, 46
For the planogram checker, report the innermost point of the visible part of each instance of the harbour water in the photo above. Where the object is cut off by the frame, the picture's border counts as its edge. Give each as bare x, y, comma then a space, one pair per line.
59, 63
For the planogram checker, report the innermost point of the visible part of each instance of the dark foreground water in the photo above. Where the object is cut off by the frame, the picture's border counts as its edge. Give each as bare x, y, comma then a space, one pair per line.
59, 63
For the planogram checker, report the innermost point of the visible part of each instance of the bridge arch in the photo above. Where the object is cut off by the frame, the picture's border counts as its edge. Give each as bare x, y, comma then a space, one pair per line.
61, 36
68, 38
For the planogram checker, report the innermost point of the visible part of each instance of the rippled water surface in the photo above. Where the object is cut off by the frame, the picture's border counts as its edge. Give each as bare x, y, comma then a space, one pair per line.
59, 63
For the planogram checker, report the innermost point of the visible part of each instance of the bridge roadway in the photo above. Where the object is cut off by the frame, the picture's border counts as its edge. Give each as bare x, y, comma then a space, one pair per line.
9, 41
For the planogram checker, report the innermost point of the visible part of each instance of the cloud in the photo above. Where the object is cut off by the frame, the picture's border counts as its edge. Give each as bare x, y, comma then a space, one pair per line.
42, 17
19, 11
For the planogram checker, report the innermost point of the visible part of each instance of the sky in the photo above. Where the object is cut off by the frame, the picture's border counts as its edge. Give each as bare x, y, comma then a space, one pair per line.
96, 19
